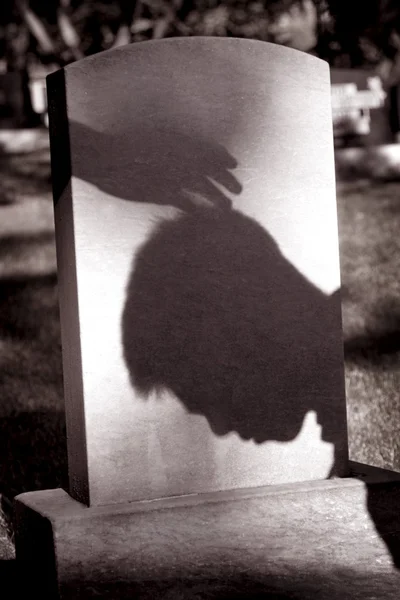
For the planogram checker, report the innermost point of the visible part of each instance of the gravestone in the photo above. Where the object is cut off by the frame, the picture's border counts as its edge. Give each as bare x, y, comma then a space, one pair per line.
11, 100
361, 108
198, 267
198, 254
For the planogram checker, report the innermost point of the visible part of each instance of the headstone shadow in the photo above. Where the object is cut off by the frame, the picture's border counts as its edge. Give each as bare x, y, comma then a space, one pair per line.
383, 502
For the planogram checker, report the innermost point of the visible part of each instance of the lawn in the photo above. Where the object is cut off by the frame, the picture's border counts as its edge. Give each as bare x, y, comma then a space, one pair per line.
32, 437
369, 220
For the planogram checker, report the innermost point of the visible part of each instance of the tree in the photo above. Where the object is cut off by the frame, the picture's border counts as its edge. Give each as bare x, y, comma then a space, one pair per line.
367, 33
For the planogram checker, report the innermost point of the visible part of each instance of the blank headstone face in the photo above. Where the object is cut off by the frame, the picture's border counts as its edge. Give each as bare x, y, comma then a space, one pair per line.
198, 263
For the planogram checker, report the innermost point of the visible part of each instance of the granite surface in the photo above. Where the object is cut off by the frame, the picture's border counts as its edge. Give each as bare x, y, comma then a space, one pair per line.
319, 540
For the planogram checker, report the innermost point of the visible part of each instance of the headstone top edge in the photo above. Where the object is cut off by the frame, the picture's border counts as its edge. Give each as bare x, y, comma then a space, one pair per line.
283, 51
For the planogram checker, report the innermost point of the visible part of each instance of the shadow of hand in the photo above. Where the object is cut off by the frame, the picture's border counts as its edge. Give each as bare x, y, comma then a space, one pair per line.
155, 165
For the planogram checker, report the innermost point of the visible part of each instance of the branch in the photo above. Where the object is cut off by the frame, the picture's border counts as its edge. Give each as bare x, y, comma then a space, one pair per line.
36, 28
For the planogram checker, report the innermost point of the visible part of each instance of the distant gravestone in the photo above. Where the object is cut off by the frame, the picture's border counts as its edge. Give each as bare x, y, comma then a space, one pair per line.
361, 108
198, 267
11, 100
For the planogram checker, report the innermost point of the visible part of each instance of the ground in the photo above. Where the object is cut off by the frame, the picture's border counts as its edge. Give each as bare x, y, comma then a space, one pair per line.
369, 215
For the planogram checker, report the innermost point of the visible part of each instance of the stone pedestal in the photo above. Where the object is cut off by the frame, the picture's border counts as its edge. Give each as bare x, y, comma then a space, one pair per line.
313, 540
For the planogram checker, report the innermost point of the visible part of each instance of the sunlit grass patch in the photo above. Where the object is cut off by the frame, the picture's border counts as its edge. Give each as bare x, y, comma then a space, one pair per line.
369, 220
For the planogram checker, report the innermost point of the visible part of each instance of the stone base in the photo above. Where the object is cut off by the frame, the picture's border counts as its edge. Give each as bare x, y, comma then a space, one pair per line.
324, 539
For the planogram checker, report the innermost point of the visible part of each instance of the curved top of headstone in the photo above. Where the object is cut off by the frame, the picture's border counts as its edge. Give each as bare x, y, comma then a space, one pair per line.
194, 43
179, 76
149, 111
178, 121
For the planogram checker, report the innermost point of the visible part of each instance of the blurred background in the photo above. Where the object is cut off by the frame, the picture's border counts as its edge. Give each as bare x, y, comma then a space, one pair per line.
361, 42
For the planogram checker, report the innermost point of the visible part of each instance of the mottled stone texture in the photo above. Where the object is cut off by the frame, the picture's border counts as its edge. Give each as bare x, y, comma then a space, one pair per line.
312, 540
198, 268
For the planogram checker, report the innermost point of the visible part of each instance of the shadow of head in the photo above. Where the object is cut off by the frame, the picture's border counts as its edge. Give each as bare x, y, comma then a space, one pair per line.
216, 314
163, 165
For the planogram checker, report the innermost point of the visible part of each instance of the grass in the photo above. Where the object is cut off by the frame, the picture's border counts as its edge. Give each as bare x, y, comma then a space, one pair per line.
369, 217
32, 428
32, 432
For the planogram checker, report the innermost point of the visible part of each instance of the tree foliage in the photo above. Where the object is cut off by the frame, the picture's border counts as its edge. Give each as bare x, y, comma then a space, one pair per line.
353, 34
